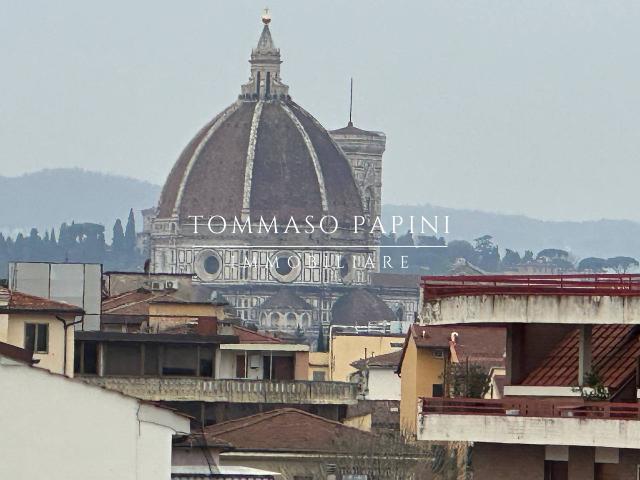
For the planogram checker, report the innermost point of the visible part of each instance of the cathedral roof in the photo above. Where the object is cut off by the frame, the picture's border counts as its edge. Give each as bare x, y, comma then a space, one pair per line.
359, 307
285, 298
351, 130
263, 155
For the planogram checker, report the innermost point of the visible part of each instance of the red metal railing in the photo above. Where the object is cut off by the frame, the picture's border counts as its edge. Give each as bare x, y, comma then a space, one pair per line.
527, 407
576, 284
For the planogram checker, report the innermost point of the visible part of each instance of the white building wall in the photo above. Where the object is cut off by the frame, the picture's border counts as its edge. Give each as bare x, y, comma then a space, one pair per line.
383, 384
557, 309
58, 428
586, 432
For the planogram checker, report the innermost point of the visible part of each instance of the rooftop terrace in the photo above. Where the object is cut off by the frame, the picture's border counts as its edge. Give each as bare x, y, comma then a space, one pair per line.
551, 299
579, 284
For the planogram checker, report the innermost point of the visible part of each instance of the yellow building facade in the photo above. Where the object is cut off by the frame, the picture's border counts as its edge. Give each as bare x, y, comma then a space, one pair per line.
346, 348
421, 371
42, 326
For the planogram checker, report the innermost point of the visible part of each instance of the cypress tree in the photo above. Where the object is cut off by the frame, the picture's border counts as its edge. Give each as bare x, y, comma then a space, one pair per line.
117, 243
320, 344
130, 233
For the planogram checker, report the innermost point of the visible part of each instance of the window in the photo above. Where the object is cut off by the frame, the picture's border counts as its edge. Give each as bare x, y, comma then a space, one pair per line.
556, 470
283, 266
211, 265
206, 362
437, 390
319, 376
241, 366
36, 337
438, 354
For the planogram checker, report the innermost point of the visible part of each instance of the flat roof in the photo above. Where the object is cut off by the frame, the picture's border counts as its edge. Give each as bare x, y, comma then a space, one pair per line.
154, 337
274, 347
434, 287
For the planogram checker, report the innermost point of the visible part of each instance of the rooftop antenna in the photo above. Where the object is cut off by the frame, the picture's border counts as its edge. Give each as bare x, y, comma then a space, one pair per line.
351, 103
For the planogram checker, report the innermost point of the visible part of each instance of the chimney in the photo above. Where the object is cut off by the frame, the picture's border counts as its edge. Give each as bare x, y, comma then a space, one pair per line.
207, 326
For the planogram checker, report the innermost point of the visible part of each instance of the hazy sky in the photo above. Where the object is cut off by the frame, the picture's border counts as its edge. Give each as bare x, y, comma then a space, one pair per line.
512, 106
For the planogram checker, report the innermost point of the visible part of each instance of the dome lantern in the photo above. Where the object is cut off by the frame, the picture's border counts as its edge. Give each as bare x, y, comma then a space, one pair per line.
264, 82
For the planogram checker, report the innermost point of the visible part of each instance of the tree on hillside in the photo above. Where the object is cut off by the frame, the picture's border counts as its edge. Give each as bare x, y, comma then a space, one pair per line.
592, 264
488, 254
461, 249
527, 257
550, 254
511, 259
622, 264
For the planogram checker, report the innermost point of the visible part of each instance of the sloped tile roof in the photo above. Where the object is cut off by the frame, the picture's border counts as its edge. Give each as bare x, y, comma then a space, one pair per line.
249, 336
20, 302
244, 335
285, 298
615, 350
386, 360
482, 345
359, 307
286, 430
136, 302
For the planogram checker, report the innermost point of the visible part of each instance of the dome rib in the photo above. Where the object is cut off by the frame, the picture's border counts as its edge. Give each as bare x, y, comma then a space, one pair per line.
313, 154
251, 155
185, 176
284, 182
342, 193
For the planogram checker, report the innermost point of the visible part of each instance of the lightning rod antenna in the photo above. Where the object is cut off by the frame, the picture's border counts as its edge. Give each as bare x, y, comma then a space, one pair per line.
351, 103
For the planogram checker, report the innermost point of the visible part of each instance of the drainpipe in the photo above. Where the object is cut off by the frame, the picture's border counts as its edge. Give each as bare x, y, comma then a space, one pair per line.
66, 325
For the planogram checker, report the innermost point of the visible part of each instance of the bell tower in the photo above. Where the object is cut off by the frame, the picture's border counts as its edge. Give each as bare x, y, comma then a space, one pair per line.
364, 151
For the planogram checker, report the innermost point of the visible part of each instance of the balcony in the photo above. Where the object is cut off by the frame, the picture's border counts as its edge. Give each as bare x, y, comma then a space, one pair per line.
176, 389
530, 421
550, 299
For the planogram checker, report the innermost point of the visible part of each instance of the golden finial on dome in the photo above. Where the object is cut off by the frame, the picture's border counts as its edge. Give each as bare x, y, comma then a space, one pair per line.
266, 17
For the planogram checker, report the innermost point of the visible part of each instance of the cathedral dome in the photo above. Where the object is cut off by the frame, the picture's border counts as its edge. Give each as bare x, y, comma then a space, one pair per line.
360, 308
262, 156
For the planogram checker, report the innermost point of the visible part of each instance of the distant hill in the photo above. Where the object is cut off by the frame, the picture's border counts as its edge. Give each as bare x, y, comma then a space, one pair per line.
601, 238
46, 198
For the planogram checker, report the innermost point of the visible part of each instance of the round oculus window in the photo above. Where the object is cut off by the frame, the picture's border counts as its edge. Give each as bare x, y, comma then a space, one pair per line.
211, 265
208, 265
285, 266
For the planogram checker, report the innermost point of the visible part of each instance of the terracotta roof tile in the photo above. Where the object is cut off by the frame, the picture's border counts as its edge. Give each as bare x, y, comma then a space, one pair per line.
244, 334
386, 360
483, 345
615, 350
136, 302
285, 430
249, 336
19, 302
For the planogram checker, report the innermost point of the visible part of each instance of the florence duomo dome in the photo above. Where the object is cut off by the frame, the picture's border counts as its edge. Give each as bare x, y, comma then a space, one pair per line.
265, 156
